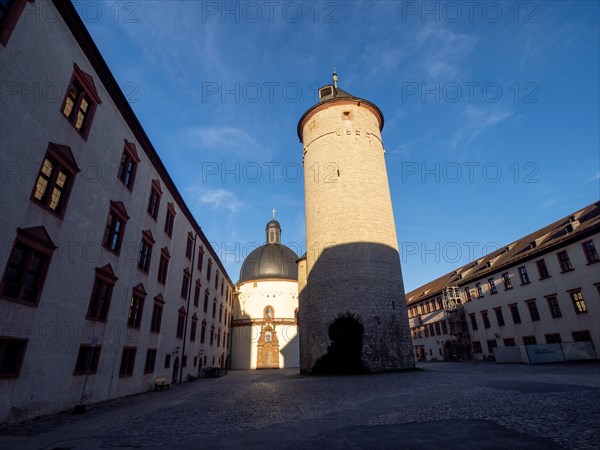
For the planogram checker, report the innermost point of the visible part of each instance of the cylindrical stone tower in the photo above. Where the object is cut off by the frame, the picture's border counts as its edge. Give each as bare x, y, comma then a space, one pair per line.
352, 264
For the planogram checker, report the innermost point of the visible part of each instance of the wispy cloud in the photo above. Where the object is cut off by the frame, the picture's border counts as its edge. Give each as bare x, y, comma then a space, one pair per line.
227, 141
215, 198
475, 121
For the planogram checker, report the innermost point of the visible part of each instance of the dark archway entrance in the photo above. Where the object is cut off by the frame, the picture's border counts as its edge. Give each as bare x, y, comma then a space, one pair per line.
344, 355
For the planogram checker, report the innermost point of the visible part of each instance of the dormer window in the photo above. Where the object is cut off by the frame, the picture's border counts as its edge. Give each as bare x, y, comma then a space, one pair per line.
326, 91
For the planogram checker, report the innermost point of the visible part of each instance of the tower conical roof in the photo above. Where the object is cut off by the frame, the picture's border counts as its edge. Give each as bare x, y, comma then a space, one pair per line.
330, 94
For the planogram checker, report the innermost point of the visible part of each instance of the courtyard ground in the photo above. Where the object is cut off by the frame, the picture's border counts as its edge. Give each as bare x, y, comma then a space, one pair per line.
444, 405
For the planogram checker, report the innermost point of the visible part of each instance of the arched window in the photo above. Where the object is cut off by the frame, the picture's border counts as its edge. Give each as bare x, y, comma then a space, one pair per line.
268, 312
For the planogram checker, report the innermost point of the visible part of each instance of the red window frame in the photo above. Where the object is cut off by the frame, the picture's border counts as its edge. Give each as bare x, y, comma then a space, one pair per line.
128, 165
62, 161
105, 279
31, 242
4, 340
163, 266
157, 312
154, 199
9, 22
136, 306
81, 89
116, 214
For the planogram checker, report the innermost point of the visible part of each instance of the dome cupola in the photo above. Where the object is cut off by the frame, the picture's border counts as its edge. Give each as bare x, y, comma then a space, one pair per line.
271, 260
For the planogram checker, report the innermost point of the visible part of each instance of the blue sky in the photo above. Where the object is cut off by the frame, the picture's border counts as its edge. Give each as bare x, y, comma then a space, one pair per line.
492, 111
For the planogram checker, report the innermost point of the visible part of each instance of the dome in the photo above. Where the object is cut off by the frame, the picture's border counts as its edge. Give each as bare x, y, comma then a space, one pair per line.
271, 260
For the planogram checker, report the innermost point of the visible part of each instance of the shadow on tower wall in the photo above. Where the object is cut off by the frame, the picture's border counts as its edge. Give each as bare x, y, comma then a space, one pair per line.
364, 279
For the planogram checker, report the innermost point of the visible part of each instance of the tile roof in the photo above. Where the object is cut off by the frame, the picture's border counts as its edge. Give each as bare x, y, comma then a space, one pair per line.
572, 227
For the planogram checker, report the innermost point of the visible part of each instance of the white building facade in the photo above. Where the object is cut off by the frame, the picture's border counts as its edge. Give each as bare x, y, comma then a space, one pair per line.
535, 300
108, 282
264, 328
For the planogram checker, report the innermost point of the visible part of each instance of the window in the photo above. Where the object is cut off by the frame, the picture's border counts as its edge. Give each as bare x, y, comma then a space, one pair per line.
154, 200
492, 286
136, 306
581, 336
157, 312
212, 334
529, 340
128, 166
214, 309
181, 323
87, 360
27, 265
222, 286
578, 302
491, 345
205, 308
10, 12
80, 101
509, 342
127, 361
542, 269
533, 311
553, 338
170, 219
473, 321
150, 360
197, 293
479, 290
523, 275
55, 179
163, 266
216, 280
101, 294
499, 316
189, 248
167, 361
185, 283
444, 327
115, 227
203, 332
468, 294
514, 312
209, 269
506, 280
564, 261
486, 319
193, 328
554, 307
437, 328
220, 313
590, 252
477, 347
200, 258
145, 251
431, 329
12, 353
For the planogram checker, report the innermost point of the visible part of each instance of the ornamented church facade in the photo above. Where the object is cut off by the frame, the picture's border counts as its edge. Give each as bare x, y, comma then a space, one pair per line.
264, 329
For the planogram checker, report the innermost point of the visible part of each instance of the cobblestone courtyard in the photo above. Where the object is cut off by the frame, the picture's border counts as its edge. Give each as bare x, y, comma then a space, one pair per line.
445, 405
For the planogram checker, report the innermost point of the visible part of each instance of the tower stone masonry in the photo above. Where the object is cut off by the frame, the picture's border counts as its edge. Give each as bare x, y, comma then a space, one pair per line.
352, 264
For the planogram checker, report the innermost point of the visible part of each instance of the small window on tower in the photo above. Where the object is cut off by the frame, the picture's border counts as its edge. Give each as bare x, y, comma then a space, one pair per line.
326, 91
